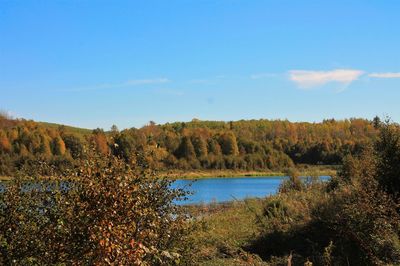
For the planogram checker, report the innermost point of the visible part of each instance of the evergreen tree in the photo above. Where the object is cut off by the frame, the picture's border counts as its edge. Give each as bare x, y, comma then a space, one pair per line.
58, 146
229, 144
200, 146
74, 145
214, 147
186, 149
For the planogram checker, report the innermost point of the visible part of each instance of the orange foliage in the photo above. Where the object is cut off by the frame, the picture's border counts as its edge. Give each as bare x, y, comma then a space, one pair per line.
59, 146
101, 143
5, 144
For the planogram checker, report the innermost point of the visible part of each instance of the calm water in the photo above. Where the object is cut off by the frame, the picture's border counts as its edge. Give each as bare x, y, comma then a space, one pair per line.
228, 189
215, 189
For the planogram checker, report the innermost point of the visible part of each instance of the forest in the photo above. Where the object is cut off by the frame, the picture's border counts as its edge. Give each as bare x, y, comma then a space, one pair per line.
197, 145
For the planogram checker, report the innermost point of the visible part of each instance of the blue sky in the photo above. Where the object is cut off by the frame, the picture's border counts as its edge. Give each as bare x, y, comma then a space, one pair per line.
98, 63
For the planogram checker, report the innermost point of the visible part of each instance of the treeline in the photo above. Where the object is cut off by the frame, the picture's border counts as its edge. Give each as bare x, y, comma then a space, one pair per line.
240, 145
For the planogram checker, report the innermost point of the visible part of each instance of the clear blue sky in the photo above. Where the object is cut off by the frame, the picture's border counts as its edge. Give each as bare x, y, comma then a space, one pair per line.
98, 63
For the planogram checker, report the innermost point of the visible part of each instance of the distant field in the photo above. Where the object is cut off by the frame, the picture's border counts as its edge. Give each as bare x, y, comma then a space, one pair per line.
72, 129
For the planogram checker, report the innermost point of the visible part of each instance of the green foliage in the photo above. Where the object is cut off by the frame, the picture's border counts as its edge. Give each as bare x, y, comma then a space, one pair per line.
200, 146
366, 220
388, 158
124, 146
58, 146
293, 183
222, 231
186, 149
74, 145
214, 147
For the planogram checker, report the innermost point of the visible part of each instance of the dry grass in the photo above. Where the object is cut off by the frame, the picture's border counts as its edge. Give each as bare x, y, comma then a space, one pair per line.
223, 230
5, 178
199, 174
180, 174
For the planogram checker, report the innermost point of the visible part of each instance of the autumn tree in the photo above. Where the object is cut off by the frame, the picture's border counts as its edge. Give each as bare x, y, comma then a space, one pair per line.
229, 144
74, 145
186, 149
200, 146
58, 146
171, 141
100, 141
5, 144
45, 147
214, 147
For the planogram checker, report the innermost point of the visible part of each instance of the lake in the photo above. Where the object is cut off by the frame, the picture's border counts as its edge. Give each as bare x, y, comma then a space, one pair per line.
228, 189
210, 190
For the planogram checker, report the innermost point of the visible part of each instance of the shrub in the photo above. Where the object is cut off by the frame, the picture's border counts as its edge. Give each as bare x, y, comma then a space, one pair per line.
106, 213
362, 223
352, 220
387, 153
293, 183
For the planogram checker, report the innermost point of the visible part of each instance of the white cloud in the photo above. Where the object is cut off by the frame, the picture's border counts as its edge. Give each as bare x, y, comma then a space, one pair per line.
309, 79
262, 75
386, 75
133, 82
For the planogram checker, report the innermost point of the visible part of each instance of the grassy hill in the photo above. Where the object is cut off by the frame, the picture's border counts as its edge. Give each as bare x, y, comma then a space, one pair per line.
72, 129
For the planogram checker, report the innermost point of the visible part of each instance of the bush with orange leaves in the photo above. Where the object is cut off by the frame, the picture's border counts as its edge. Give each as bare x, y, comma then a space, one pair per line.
106, 213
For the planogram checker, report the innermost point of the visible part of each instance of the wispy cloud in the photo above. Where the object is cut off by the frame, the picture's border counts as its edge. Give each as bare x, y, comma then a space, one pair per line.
385, 75
135, 82
209, 80
310, 79
262, 75
200, 81
170, 92
125, 84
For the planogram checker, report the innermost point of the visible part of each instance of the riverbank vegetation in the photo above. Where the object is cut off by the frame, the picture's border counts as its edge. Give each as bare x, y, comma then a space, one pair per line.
304, 170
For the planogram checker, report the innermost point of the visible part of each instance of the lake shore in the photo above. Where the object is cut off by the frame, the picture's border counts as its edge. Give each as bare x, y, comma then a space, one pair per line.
206, 174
